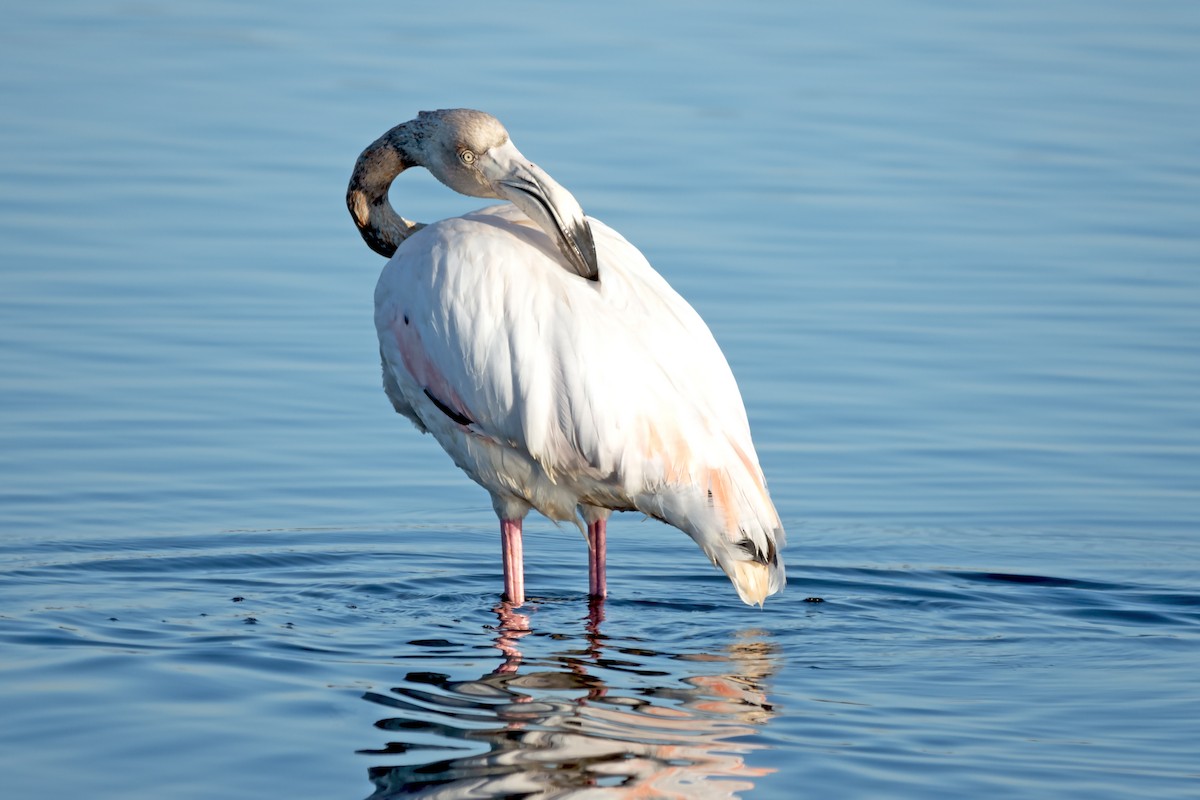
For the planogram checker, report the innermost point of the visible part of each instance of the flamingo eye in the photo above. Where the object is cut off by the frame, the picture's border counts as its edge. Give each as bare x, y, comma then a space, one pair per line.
467, 157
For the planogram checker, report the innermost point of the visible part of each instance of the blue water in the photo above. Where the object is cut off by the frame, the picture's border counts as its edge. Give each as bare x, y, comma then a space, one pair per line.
952, 252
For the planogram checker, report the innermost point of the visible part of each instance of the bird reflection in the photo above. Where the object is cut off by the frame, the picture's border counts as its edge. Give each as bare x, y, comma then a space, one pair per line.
556, 728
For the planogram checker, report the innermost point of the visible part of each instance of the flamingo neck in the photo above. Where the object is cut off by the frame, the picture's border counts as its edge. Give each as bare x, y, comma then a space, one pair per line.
367, 195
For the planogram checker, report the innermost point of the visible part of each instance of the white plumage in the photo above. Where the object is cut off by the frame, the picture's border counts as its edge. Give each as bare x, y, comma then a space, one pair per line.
561, 378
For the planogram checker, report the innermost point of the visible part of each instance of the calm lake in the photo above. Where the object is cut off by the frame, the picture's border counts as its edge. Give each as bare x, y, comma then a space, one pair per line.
951, 251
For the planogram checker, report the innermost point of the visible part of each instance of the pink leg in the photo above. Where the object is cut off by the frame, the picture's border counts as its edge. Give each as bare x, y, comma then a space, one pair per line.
514, 561
597, 551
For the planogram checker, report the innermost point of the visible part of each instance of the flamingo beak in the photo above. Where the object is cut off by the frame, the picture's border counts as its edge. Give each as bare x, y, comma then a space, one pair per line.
552, 207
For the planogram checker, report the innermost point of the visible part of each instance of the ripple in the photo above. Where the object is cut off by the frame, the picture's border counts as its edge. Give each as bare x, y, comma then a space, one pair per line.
681, 693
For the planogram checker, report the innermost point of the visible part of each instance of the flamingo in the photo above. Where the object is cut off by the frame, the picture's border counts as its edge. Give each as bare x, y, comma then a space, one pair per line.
557, 369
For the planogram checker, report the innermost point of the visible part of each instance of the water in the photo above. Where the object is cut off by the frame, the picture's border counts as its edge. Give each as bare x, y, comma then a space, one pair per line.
951, 252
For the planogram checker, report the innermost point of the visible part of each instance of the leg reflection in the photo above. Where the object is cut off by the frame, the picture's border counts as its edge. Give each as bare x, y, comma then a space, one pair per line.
512, 626
604, 716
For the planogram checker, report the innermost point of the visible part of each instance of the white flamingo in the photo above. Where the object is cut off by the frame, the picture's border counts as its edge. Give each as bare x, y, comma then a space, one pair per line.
553, 364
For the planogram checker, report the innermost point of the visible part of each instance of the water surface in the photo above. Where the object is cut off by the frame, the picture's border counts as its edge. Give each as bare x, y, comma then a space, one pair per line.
951, 254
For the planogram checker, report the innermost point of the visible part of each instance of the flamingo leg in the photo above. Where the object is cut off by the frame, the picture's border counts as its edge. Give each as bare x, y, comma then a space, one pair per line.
514, 561
597, 552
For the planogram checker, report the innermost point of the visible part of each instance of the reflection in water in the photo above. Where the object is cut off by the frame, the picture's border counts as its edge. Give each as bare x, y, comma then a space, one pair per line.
565, 732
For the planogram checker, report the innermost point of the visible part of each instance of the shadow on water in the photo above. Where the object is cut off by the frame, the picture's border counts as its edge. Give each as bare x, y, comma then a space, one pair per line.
558, 729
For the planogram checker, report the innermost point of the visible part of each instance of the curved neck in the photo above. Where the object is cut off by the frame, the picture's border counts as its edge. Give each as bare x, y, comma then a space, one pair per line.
367, 195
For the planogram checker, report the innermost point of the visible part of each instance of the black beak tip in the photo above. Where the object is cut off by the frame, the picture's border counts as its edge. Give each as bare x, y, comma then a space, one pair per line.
583, 254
